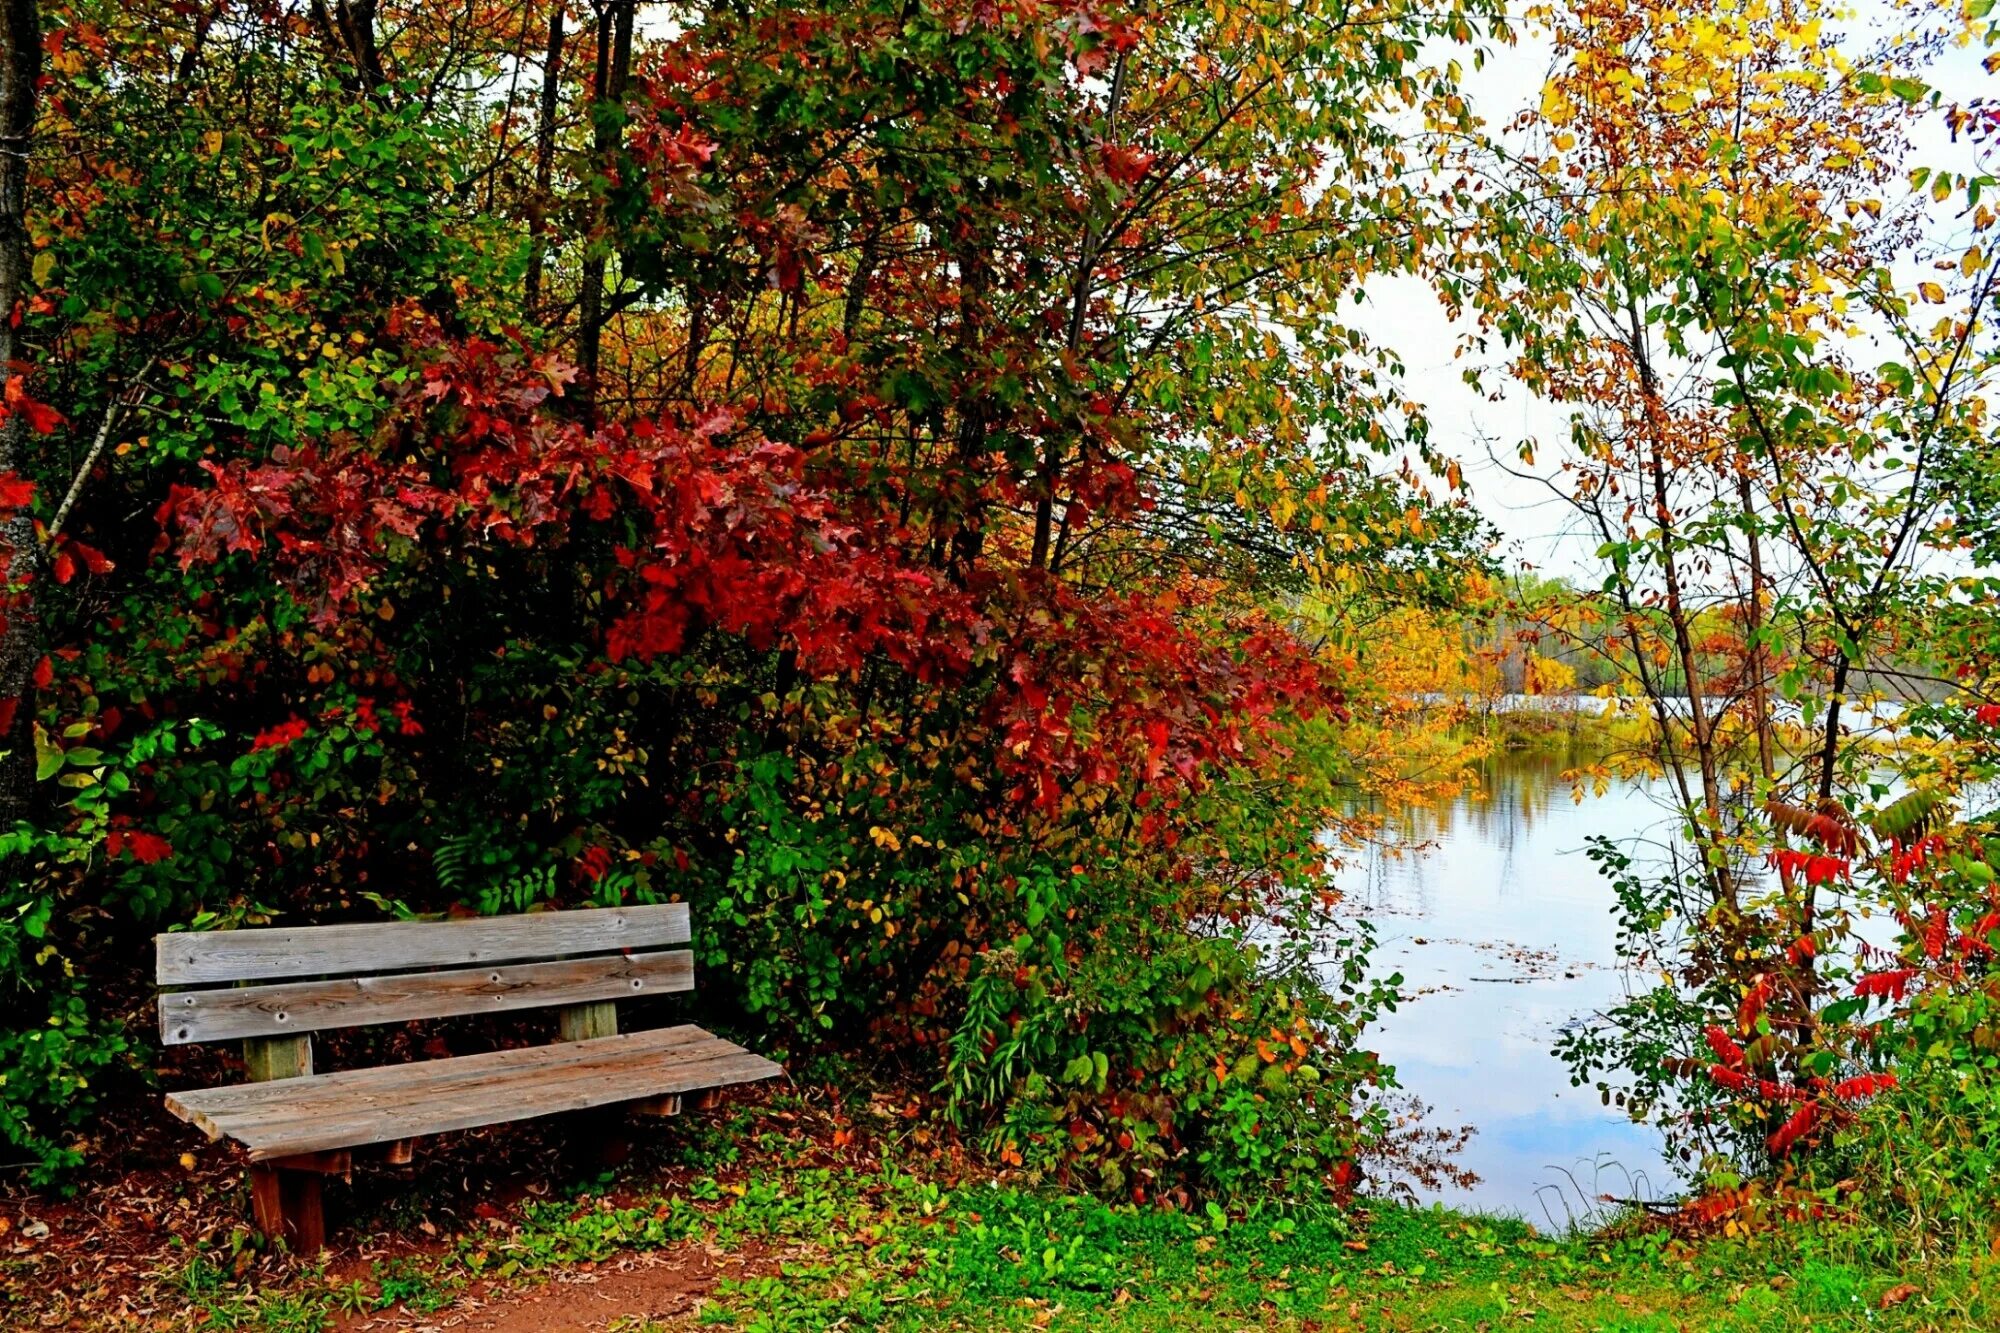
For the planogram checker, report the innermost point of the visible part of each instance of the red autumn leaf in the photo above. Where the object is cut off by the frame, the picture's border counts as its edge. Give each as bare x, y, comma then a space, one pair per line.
93, 559
1795, 1128
1888, 985
279, 736
593, 863
1126, 165
146, 848
1753, 1004
41, 418
1725, 1049
1863, 1085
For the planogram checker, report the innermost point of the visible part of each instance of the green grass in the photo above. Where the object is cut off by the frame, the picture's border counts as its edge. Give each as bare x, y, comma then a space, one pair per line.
911, 1256
880, 1247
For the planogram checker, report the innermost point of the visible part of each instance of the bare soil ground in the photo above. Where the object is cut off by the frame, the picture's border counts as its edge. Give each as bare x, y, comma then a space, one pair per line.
118, 1252
665, 1289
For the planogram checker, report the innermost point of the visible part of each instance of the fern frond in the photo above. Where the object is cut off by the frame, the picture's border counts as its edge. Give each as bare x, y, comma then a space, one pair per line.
453, 861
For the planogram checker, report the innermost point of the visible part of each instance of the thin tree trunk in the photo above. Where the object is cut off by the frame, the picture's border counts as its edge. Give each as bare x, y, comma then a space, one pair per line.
1753, 627
1677, 614
1082, 285
191, 58
614, 67
545, 161
1830, 744
20, 622
348, 33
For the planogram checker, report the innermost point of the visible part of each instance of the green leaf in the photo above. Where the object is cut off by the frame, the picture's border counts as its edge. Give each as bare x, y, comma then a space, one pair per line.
48, 759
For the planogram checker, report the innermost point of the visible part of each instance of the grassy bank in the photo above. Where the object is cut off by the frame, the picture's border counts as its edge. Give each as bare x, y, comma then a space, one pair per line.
1581, 731
806, 1220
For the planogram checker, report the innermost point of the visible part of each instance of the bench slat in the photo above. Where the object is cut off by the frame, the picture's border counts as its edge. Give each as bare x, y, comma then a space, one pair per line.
249, 1100
313, 1006
327, 1112
199, 958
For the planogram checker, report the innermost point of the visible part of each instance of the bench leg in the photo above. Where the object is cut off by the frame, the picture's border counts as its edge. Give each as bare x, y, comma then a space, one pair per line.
288, 1208
657, 1107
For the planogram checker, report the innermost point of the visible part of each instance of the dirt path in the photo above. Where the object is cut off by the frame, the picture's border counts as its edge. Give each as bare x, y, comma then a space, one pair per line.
666, 1288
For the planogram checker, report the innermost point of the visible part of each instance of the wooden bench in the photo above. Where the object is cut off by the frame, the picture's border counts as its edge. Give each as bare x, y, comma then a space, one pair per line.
274, 988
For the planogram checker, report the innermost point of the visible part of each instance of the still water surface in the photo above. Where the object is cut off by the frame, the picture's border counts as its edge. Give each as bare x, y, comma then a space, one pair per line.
1504, 931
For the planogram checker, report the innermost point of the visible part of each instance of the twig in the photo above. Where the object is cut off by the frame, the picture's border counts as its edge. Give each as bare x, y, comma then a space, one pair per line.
69, 500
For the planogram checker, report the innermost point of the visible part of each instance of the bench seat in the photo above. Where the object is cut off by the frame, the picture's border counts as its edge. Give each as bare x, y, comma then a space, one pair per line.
290, 1117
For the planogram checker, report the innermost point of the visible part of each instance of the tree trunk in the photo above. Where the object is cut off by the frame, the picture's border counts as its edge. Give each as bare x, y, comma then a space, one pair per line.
348, 33
1082, 287
1701, 733
545, 161
20, 632
1753, 627
614, 67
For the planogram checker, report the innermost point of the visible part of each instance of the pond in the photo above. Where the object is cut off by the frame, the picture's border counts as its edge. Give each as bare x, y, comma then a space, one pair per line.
1504, 931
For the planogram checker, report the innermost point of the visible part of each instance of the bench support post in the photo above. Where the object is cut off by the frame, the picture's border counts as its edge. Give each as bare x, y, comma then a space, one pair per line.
595, 1137
285, 1202
580, 1022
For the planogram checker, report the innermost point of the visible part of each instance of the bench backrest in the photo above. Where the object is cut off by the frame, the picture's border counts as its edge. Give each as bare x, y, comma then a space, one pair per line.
291, 980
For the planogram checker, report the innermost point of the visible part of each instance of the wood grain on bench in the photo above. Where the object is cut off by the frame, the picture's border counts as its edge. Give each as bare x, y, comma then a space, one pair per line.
198, 958
315, 1006
286, 1117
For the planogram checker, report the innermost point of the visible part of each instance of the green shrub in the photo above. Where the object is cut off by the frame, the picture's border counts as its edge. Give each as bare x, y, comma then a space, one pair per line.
52, 1053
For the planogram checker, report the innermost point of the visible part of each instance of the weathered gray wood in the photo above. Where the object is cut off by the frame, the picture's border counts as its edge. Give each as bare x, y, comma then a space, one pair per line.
345, 1110
206, 957
249, 1098
277, 1057
287, 1204
313, 1006
581, 1022
521, 1093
